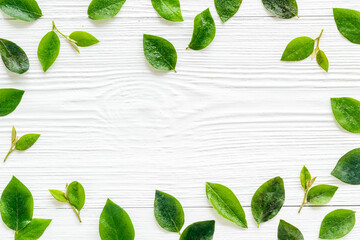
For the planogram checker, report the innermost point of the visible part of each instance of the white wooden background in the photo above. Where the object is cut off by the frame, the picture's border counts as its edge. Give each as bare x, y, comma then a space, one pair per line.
233, 114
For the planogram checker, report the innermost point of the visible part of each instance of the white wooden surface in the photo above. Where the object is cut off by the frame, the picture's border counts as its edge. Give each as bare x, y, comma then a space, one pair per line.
233, 114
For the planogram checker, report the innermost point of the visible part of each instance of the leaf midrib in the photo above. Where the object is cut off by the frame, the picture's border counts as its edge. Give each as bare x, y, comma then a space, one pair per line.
224, 202
167, 6
23, 9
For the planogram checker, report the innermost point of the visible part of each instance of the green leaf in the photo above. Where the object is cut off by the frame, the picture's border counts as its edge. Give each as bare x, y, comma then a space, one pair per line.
227, 8
58, 195
26, 141
76, 195
286, 231
160, 53
34, 230
305, 177
226, 203
281, 8
204, 31
322, 60
337, 224
115, 223
104, 9
298, 49
17, 205
83, 39
347, 113
348, 168
26, 10
199, 231
48, 50
168, 9
168, 212
348, 23
9, 100
14, 58
268, 200
321, 194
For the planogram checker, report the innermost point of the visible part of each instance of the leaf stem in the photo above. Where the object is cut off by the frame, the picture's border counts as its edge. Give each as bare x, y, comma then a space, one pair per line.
71, 41
304, 200
317, 48
8, 154
75, 211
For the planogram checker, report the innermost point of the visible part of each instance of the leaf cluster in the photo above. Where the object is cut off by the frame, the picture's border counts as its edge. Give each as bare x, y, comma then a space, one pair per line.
16, 208
74, 195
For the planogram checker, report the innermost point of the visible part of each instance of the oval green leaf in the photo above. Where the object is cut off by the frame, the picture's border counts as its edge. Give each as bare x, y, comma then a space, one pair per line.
168, 212
322, 60
348, 168
268, 200
204, 31
281, 8
34, 230
26, 141
16, 205
298, 49
227, 8
58, 195
347, 113
76, 195
226, 203
160, 53
14, 58
48, 50
83, 39
115, 223
26, 10
9, 100
286, 231
337, 224
321, 194
168, 9
305, 177
348, 23
199, 230
104, 9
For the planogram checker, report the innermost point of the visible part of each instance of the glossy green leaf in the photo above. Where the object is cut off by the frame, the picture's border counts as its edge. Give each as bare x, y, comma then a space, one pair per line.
160, 53
9, 100
286, 231
298, 49
199, 231
104, 9
204, 31
226, 203
34, 230
168, 9
83, 39
268, 200
348, 167
168, 212
305, 177
48, 50
348, 23
322, 60
281, 8
321, 194
337, 224
115, 223
26, 10
26, 141
16, 205
76, 195
58, 195
227, 8
347, 113
14, 58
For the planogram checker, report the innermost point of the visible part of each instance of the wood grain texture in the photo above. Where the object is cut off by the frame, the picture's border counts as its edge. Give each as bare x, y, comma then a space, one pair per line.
233, 114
